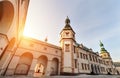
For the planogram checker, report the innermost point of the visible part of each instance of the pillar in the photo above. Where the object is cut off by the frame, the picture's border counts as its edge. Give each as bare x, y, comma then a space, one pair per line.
59, 68
48, 69
12, 66
32, 67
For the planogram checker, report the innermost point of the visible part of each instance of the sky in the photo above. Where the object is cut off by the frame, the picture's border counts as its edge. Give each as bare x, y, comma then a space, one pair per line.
92, 20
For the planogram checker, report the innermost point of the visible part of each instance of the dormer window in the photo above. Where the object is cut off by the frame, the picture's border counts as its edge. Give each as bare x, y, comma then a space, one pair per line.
67, 33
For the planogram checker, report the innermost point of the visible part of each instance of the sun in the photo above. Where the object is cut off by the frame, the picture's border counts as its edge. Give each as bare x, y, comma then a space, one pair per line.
28, 32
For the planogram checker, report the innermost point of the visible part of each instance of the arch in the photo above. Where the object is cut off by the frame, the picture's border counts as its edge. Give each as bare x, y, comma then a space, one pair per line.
24, 64
55, 66
41, 65
6, 15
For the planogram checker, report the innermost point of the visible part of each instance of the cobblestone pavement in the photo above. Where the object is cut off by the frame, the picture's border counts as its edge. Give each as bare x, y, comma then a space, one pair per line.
79, 76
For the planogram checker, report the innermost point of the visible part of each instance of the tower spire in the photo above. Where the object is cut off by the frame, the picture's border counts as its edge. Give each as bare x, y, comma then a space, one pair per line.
67, 21
101, 44
102, 47
46, 39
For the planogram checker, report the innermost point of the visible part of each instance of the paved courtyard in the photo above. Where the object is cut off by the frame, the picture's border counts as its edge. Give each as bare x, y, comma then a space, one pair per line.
79, 76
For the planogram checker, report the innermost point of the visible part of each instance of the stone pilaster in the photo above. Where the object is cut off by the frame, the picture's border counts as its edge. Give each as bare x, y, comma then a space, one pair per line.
32, 67
59, 69
3, 43
12, 66
48, 68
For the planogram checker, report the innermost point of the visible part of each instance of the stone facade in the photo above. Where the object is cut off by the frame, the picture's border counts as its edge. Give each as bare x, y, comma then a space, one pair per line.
117, 66
21, 55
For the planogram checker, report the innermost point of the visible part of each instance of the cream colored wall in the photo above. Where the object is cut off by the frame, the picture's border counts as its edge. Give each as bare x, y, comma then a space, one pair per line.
80, 61
36, 49
68, 57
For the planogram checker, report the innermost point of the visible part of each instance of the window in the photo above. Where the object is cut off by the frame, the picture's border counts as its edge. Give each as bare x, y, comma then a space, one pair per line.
67, 47
74, 49
90, 57
95, 59
81, 55
88, 67
85, 66
77, 55
82, 66
75, 63
86, 56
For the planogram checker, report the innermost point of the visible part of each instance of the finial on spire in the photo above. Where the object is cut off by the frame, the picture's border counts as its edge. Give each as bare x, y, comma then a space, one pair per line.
46, 39
101, 44
102, 47
67, 21
67, 17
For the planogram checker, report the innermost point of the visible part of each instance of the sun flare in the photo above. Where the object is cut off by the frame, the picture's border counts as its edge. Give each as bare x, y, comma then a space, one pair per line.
27, 32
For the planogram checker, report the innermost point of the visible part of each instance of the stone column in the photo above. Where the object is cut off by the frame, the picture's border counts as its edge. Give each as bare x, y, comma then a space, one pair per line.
32, 67
48, 68
12, 66
59, 69
4, 63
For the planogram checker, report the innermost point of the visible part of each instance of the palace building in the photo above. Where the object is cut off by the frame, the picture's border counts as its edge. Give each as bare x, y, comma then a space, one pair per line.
21, 55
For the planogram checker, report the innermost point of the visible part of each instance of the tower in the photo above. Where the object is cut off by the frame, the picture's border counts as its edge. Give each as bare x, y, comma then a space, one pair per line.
106, 56
12, 19
67, 41
103, 52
